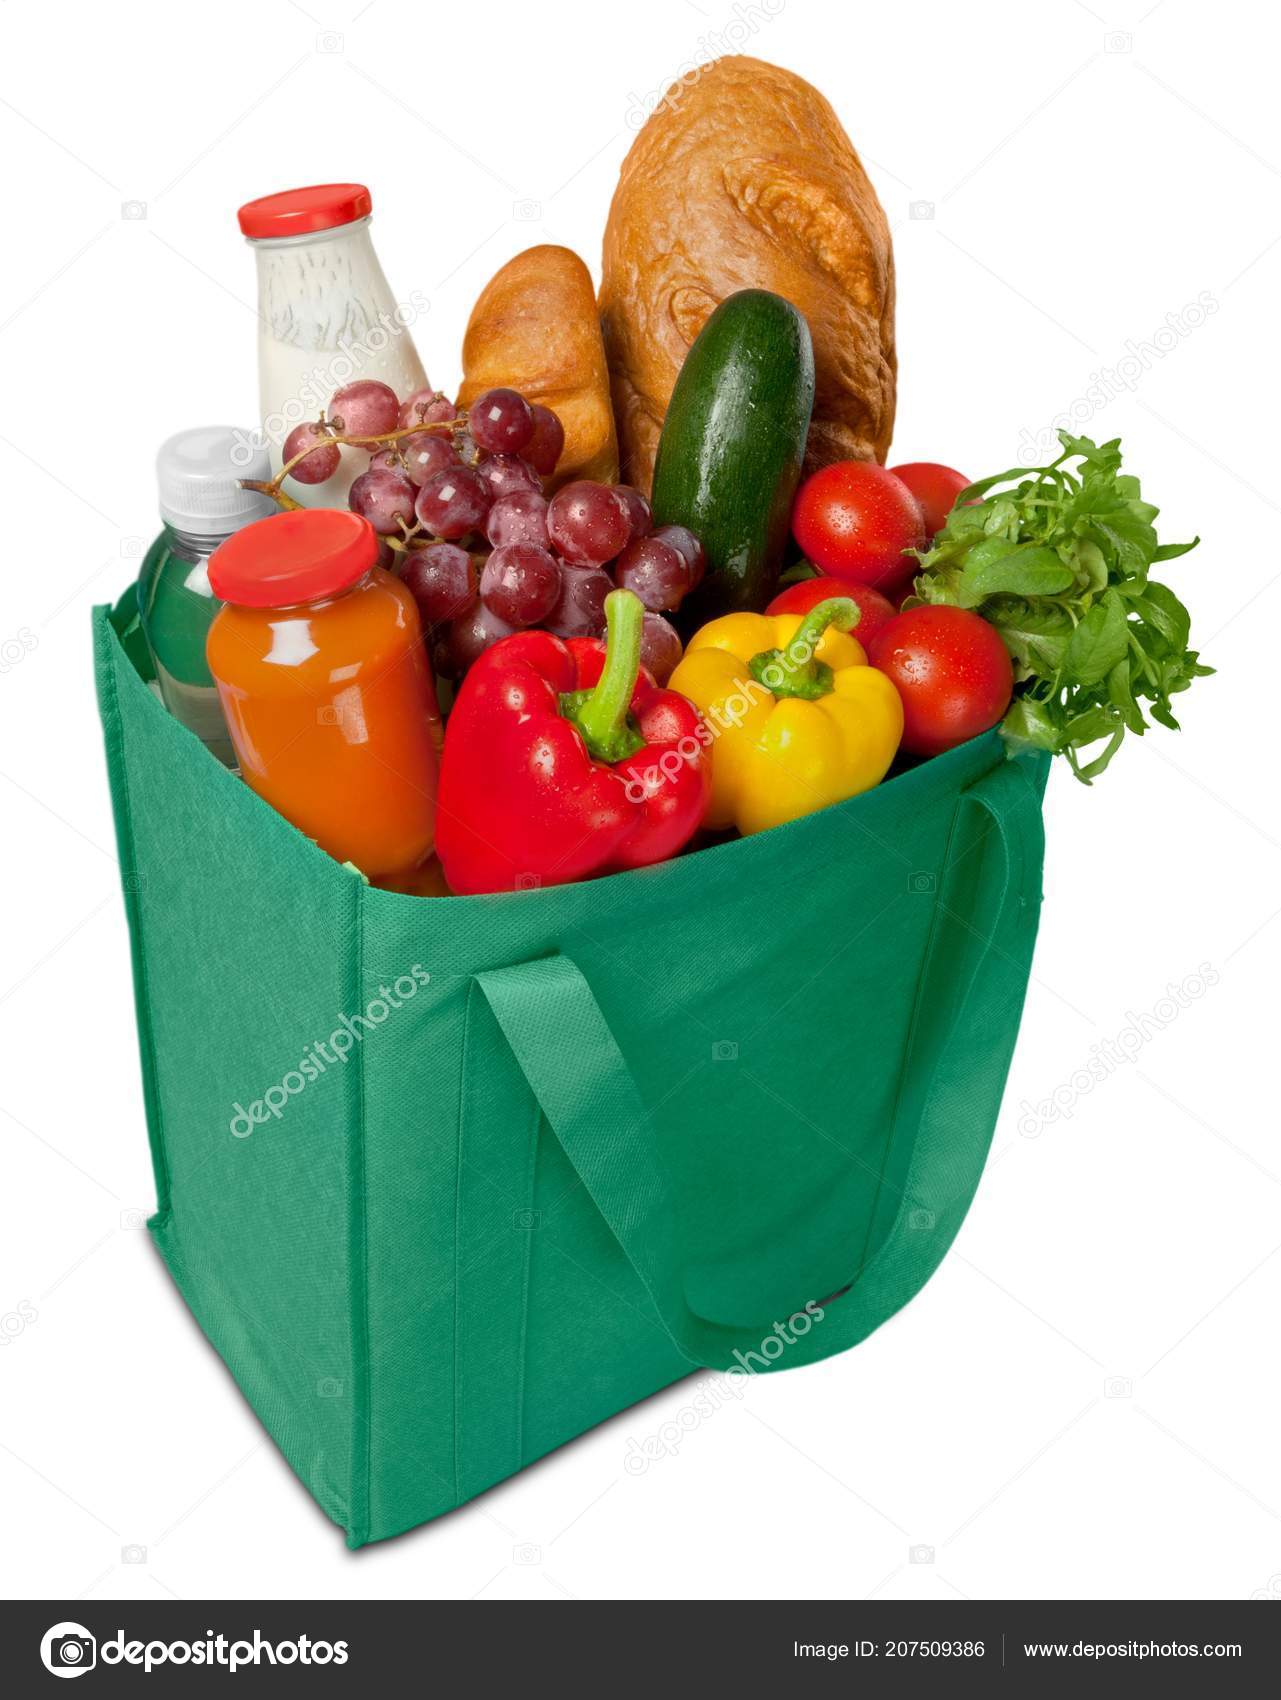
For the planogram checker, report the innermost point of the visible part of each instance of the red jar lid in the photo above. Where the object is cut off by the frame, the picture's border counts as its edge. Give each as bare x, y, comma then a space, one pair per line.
294, 212
304, 556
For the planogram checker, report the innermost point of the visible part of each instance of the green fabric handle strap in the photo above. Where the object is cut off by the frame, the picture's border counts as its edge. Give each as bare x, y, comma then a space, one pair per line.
546, 1010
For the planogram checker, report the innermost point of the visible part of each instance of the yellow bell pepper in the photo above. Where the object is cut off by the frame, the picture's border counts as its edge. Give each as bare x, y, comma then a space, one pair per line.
798, 719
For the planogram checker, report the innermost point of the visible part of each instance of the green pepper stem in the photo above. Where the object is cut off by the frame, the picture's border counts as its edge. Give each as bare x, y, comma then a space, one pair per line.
602, 714
796, 671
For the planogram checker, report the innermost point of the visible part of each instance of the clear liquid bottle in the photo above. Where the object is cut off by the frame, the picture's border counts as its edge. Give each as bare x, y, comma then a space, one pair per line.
201, 504
326, 317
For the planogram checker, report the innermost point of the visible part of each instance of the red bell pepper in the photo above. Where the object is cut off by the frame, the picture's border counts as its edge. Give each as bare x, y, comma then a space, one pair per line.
566, 760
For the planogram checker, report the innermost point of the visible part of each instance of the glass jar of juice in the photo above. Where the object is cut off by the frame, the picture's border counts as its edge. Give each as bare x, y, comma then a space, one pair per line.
323, 676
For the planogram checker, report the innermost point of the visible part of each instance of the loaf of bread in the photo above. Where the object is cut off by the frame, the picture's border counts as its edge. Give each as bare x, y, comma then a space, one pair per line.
535, 329
746, 180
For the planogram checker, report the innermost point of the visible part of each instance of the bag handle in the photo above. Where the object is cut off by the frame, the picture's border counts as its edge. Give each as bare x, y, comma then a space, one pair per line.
601, 1122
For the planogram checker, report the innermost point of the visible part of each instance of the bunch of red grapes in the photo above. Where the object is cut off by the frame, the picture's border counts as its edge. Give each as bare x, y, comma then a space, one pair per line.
444, 494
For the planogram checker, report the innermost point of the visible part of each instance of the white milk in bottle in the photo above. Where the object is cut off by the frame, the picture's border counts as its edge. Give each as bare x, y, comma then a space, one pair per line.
327, 316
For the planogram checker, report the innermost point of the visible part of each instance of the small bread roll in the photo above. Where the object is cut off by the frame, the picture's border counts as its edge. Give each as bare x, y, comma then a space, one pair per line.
535, 329
744, 179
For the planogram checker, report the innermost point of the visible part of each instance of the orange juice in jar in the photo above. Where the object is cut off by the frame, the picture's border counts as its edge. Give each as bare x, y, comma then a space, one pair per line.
323, 676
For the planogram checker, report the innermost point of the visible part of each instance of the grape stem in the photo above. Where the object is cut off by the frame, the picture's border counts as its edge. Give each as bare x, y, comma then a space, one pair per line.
271, 489
272, 486
413, 538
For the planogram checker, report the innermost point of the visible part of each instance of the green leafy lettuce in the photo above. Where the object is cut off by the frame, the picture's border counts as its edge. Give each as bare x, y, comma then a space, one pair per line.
1059, 562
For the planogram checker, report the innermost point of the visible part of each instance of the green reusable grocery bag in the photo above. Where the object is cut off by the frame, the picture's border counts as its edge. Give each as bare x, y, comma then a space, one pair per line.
447, 1181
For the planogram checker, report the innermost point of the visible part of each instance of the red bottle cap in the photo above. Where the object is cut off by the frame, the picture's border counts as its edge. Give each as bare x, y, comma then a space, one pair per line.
304, 556
294, 212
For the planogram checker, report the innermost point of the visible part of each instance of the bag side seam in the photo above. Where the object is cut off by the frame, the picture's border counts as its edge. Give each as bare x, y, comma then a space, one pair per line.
128, 865
1002, 831
909, 1043
459, 1146
358, 1265
526, 1282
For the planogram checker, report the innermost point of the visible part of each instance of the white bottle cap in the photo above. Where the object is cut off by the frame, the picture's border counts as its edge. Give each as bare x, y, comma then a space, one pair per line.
199, 473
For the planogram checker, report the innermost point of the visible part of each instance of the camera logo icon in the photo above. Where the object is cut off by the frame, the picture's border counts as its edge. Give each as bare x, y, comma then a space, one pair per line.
68, 1649
133, 1554
920, 1554
725, 1050
527, 211
920, 209
525, 1221
329, 41
133, 211
920, 1221
526, 882
1118, 1387
1118, 41
527, 1553
922, 882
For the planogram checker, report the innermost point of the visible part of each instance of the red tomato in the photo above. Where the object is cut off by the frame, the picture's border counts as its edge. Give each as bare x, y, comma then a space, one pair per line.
875, 610
952, 672
854, 520
935, 488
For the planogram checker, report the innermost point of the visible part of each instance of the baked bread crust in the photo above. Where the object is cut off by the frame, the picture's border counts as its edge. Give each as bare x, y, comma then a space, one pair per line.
746, 180
535, 329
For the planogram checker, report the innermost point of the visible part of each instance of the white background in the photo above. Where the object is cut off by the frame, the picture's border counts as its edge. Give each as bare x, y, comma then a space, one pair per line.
1090, 170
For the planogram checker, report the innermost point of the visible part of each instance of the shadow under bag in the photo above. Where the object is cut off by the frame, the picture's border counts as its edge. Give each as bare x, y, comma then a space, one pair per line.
446, 1181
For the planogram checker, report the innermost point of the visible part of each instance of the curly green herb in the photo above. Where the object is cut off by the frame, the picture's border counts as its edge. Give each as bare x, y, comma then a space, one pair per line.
1059, 564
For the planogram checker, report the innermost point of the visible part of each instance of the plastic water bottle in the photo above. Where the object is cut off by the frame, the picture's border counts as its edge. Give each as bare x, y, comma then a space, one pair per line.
201, 504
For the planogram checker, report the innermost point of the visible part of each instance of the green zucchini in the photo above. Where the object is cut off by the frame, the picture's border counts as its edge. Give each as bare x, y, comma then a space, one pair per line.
729, 457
